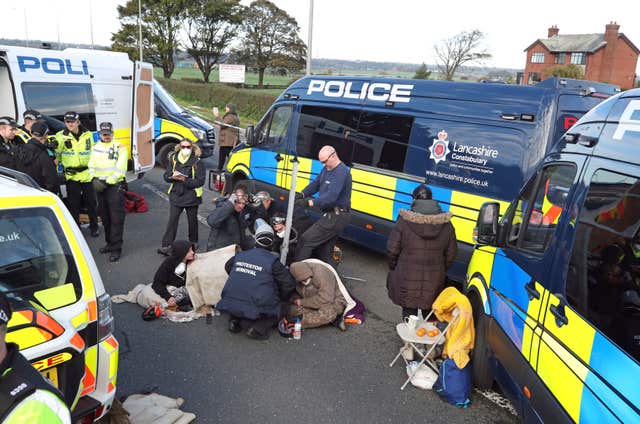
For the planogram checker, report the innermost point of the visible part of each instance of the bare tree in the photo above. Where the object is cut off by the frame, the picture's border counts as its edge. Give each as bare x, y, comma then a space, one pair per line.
463, 48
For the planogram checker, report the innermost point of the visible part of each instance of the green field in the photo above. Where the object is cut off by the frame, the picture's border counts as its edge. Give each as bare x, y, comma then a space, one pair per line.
250, 78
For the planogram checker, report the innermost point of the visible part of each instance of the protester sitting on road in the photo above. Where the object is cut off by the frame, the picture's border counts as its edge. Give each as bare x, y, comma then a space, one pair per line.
171, 276
262, 207
228, 223
278, 222
257, 289
318, 298
421, 246
186, 176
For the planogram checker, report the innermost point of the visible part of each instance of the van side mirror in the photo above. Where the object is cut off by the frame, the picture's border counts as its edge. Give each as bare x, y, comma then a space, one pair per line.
486, 231
249, 135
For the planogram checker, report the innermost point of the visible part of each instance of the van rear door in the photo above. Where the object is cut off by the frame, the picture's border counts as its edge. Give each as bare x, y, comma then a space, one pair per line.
142, 148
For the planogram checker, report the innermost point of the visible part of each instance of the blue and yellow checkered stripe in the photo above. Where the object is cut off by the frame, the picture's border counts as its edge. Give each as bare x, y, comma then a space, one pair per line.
374, 194
580, 366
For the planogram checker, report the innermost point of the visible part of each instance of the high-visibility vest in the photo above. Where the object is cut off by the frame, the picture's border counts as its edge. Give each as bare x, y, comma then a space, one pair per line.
23, 134
193, 175
551, 212
108, 162
75, 159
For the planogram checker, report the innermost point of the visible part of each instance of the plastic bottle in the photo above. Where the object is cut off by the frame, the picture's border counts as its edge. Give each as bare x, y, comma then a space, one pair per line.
297, 330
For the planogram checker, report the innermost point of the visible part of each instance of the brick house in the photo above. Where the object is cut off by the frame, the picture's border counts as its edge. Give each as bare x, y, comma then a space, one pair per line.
610, 57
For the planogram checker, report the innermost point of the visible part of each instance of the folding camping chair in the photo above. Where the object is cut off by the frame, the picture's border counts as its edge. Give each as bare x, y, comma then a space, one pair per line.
412, 340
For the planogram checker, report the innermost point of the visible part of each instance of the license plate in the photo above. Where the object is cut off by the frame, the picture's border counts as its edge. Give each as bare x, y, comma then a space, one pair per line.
51, 374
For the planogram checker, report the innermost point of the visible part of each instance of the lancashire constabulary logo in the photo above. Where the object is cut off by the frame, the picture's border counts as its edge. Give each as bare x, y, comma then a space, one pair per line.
440, 147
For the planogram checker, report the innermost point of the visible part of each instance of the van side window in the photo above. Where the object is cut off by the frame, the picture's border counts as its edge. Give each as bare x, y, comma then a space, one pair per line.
273, 129
382, 140
320, 126
54, 99
603, 280
34, 255
538, 211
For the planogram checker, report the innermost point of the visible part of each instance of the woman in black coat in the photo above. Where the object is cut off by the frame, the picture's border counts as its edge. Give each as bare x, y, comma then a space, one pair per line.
173, 271
186, 175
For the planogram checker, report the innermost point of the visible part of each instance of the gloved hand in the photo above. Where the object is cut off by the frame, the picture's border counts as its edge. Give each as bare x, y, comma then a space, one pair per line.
111, 180
233, 197
299, 196
302, 203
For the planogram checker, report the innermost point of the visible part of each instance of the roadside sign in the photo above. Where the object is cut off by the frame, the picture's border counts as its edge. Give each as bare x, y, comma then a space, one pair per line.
232, 73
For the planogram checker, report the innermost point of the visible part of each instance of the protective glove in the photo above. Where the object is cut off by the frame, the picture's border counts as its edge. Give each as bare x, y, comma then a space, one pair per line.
111, 180
233, 197
302, 203
299, 196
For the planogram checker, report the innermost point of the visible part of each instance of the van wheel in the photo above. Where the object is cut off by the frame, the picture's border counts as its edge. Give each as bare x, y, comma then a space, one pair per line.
164, 153
482, 376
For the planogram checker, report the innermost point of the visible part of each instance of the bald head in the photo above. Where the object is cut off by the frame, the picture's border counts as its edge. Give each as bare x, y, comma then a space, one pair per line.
328, 157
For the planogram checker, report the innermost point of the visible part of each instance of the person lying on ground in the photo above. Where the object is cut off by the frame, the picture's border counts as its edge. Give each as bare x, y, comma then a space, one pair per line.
258, 288
318, 298
171, 276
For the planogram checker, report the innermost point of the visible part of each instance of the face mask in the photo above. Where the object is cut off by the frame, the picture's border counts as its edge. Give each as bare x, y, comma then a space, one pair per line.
185, 152
181, 268
280, 234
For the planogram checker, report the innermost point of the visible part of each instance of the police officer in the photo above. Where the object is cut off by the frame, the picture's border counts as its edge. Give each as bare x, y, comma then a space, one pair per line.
257, 286
25, 396
7, 147
333, 186
29, 116
35, 161
107, 167
74, 149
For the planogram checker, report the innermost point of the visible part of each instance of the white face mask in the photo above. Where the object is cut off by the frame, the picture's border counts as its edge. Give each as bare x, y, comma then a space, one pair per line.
280, 234
181, 268
185, 152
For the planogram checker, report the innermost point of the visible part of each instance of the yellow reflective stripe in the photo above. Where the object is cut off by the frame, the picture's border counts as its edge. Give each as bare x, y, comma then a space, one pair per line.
55, 297
80, 319
18, 318
558, 366
240, 160
113, 365
28, 337
530, 323
373, 193
172, 127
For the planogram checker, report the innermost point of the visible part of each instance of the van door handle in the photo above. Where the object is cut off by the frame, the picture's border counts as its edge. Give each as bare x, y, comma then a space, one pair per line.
277, 157
532, 292
558, 311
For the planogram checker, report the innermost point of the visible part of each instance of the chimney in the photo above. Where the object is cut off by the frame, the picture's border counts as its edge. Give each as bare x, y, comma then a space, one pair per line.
611, 32
552, 31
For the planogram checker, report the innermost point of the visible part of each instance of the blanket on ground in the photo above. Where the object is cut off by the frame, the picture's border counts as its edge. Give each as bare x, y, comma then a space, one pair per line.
156, 409
206, 276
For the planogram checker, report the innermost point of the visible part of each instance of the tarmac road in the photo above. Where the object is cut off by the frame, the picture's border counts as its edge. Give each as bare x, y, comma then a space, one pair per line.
326, 377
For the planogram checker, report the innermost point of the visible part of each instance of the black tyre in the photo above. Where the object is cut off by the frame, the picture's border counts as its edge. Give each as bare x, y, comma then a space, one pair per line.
482, 376
164, 153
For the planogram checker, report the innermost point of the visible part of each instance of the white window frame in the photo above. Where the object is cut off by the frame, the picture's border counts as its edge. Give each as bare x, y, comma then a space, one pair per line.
537, 57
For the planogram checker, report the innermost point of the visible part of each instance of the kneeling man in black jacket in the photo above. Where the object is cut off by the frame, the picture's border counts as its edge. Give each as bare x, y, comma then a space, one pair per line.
258, 287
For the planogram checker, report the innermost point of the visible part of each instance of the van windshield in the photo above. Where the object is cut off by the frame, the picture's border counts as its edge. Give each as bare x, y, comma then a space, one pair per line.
166, 99
34, 255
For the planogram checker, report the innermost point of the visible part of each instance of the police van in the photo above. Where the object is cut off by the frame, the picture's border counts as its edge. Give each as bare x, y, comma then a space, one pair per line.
101, 86
555, 283
471, 142
62, 320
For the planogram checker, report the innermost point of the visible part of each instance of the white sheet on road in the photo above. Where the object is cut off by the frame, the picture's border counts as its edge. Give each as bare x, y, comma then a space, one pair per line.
156, 409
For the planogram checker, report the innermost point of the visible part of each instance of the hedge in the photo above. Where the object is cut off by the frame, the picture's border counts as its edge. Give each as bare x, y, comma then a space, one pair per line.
250, 103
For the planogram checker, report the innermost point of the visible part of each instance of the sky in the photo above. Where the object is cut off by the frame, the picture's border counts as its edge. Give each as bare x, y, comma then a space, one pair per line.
376, 30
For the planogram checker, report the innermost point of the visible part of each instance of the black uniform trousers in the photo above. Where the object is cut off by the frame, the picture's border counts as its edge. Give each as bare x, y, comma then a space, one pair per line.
322, 236
174, 218
111, 209
79, 194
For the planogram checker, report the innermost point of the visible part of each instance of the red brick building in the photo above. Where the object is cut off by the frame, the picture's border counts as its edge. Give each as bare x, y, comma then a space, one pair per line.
610, 57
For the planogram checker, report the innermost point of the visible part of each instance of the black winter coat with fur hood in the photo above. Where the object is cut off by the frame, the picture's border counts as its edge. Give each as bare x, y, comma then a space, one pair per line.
421, 247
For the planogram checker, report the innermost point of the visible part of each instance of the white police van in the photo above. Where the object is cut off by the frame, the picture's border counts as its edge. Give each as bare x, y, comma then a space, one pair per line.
99, 85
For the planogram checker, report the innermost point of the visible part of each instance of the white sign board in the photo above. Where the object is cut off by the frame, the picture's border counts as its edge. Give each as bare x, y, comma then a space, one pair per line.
231, 73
